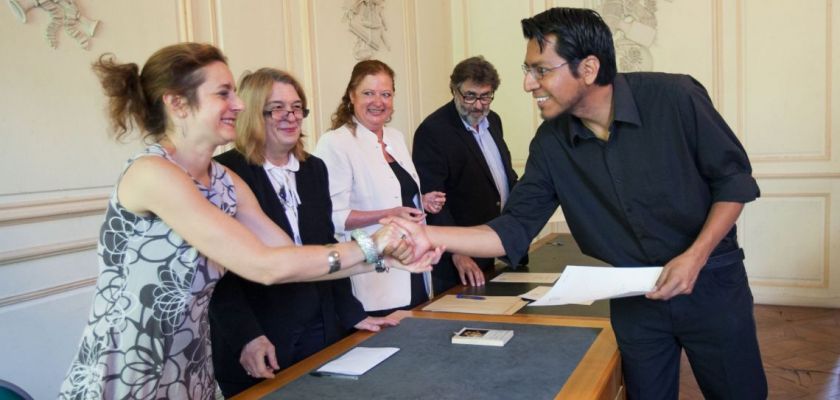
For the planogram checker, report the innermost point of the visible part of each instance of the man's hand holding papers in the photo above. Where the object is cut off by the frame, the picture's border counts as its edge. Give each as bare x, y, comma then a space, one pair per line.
584, 285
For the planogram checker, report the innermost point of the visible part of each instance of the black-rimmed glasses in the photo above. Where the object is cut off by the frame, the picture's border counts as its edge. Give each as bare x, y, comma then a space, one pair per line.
470, 97
280, 113
538, 73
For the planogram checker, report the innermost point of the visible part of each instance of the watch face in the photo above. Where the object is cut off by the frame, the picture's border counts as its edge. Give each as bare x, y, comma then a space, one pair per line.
380, 266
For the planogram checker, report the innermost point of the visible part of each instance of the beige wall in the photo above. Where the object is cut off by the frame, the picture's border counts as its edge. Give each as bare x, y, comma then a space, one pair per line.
768, 65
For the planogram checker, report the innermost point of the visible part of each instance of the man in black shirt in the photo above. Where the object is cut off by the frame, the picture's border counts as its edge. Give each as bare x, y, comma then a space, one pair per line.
647, 173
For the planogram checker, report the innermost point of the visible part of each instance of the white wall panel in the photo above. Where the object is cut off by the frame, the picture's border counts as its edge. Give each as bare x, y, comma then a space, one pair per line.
686, 45
45, 276
38, 340
492, 29
785, 80
253, 34
792, 242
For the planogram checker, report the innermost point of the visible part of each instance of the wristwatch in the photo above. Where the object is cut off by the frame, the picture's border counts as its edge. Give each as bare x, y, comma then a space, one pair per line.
379, 266
334, 261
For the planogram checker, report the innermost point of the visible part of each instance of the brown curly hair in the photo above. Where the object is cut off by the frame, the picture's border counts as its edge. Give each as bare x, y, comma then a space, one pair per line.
343, 115
136, 98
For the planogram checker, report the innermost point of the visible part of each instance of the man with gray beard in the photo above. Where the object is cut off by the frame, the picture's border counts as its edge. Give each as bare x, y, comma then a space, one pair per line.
459, 149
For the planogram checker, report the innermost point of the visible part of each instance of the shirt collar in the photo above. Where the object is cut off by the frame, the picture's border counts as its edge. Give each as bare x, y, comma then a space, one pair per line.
625, 111
293, 165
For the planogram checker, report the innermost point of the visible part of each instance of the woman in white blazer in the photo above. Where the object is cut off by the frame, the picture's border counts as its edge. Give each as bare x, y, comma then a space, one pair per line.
372, 177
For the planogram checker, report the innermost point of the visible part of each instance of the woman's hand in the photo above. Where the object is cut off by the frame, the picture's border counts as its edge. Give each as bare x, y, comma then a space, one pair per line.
375, 324
253, 358
433, 202
423, 264
409, 213
414, 233
393, 241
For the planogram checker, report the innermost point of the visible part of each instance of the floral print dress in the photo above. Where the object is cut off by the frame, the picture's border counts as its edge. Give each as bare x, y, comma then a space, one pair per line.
148, 335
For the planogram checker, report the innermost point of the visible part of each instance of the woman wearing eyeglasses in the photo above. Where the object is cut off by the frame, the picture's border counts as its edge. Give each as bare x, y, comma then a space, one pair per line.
372, 177
257, 328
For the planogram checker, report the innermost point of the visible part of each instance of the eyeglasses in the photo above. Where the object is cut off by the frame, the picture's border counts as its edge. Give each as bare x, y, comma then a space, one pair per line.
280, 113
538, 73
470, 97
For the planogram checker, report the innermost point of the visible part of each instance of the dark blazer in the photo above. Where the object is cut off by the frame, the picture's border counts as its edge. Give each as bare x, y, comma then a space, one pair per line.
241, 311
449, 159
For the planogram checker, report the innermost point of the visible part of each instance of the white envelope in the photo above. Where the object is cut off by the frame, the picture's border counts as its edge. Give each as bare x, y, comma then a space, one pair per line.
358, 360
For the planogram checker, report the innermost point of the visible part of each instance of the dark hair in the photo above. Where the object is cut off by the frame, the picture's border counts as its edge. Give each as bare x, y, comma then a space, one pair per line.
580, 32
475, 69
254, 90
137, 97
343, 115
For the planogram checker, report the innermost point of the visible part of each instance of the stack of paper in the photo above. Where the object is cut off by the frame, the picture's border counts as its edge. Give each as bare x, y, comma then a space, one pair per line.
584, 285
526, 277
356, 361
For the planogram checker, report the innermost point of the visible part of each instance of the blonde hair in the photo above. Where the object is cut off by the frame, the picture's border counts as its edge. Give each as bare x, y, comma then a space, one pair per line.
254, 90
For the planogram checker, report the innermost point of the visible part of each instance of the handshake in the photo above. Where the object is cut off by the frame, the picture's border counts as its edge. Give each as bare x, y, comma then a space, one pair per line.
405, 245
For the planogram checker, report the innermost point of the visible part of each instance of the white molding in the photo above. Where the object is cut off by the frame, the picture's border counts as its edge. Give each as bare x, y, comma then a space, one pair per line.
784, 299
216, 26
801, 175
717, 53
410, 57
186, 30
33, 211
49, 250
51, 291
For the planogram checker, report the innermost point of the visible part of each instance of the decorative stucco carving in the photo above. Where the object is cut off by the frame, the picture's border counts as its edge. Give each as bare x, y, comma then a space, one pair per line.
64, 14
633, 23
366, 20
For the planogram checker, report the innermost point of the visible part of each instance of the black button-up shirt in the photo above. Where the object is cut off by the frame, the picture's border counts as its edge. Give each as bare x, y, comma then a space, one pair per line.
642, 196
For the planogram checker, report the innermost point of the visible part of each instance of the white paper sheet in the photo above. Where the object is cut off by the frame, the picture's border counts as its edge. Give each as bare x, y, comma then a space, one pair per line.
358, 360
527, 277
584, 285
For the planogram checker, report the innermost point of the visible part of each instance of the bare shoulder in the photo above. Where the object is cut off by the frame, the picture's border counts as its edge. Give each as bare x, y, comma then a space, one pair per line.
150, 178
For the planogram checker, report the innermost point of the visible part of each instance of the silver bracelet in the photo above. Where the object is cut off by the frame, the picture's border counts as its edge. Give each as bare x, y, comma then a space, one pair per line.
366, 244
368, 247
334, 261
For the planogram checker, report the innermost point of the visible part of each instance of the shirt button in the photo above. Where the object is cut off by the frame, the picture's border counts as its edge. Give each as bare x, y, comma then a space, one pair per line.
498, 203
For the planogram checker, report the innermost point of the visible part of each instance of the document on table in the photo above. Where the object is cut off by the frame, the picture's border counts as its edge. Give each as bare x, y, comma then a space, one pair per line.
497, 305
527, 277
356, 361
535, 293
584, 285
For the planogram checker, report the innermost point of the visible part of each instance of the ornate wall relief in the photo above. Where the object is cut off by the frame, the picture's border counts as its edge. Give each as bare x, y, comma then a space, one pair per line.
365, 19
633, 23
63, 14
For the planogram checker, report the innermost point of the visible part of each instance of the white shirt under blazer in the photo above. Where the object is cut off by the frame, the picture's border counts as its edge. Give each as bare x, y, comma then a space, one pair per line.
361, 179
